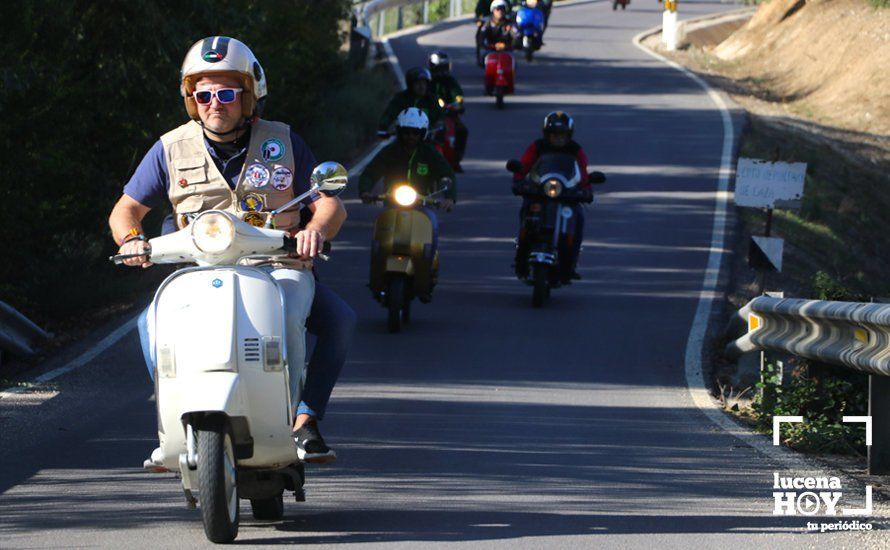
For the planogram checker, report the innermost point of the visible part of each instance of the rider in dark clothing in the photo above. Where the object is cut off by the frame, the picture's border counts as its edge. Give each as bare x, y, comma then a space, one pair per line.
483, 7
448, 90
497, 33
417, 94
558, 128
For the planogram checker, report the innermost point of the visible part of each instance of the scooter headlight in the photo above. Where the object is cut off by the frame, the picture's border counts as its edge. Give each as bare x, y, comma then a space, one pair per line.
404, 195
552, 188
213, 232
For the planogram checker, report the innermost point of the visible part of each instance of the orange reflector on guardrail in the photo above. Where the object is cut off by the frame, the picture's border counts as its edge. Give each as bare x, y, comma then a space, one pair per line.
754, 322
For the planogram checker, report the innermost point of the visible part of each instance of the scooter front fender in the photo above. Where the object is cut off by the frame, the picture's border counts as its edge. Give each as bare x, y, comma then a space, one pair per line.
400, 264
187, 395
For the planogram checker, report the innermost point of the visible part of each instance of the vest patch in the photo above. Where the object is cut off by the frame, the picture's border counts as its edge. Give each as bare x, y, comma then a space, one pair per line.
282, 178
257, 175
253, 202
272, 149
422, 169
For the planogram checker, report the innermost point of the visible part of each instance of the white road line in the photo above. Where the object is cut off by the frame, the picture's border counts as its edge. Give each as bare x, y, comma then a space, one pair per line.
80, 361
695, 381
394, 62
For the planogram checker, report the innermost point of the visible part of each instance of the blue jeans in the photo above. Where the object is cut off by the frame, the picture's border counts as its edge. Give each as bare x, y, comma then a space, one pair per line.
331, 321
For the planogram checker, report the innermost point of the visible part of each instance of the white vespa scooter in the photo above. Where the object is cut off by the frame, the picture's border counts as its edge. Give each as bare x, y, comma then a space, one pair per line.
221, 379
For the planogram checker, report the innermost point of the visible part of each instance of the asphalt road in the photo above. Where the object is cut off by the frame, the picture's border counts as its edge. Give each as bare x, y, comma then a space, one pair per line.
486, 423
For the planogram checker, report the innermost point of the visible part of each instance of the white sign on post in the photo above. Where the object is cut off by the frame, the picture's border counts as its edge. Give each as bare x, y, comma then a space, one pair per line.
764, 184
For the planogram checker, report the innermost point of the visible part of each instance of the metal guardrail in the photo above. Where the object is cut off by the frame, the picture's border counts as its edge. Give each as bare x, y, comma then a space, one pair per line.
18, 334
850, 334
366, 11
845, 334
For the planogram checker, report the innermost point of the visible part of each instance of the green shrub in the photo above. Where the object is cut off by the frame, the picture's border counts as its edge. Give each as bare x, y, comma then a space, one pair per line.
822, 395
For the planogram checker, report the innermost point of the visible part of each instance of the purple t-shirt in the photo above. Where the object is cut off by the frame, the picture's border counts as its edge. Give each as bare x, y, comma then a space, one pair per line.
150, 182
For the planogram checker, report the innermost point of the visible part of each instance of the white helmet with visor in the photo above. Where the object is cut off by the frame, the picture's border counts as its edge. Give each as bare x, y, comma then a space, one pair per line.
221, 55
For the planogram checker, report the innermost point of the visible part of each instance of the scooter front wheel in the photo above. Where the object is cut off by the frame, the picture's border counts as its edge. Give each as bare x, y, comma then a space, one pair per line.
499, 98
529, 54
217, 480
395, 300
541, 282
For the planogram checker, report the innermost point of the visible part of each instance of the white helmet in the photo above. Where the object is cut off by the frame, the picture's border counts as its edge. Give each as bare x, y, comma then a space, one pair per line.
412, 117
223, 55
499, 4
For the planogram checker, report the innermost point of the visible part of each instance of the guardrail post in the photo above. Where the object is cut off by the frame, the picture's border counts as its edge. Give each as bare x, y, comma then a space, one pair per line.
381, 22
400, 18
458, 8
879, 410
426, 11
452, 7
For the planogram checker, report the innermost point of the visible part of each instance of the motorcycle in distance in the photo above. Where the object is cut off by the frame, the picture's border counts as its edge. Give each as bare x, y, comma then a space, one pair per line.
403, 262
224, 406
551, 189
444, 136
530, 24
499, 70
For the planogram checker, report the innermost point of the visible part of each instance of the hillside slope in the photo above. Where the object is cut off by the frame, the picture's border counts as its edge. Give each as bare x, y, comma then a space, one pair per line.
828, 60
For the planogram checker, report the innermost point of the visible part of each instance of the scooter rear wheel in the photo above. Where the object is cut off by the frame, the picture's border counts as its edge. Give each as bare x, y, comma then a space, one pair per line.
268, 509
217, 480
499, 98
529, 54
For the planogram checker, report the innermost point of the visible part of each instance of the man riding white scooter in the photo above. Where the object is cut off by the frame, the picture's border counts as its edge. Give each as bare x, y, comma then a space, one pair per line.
227, 158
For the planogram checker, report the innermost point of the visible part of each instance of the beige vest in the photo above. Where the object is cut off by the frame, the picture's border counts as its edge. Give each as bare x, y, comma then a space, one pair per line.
266, 181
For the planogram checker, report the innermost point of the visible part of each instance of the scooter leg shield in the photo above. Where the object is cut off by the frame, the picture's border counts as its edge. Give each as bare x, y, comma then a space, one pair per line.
220, 342
491, 72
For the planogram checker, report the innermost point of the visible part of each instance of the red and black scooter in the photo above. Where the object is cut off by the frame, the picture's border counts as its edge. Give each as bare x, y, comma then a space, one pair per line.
499, 71
445, 136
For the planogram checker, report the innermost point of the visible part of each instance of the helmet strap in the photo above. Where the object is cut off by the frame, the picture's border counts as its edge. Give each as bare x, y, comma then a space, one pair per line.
243, 126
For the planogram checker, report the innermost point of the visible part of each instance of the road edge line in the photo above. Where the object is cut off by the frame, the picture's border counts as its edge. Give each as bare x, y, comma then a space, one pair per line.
100, 347
695, 382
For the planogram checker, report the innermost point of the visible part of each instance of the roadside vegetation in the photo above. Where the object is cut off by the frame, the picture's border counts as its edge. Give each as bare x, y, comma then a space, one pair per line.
86, 87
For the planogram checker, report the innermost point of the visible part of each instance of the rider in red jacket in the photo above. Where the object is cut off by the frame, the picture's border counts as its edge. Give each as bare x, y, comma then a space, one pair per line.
558, 128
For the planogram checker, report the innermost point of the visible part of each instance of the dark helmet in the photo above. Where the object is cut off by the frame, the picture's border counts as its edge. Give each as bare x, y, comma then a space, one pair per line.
439, 63
417, 73
558, 121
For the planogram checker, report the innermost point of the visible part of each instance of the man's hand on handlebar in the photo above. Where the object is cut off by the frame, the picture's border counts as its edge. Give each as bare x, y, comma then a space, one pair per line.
136, 246
446, 204
308, 244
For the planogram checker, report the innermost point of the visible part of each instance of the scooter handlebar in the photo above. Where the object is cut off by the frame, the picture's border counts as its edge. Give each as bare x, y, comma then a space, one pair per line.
118, 259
